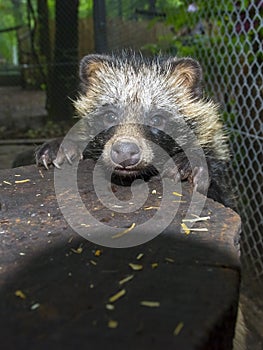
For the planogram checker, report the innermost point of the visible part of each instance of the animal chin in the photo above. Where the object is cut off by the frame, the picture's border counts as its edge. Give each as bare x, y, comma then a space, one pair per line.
126, 172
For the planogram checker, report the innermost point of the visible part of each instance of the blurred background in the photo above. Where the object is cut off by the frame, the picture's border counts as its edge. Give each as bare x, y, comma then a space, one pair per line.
42, 42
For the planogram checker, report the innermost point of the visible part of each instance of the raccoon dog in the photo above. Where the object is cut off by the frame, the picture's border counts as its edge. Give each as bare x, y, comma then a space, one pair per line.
129, 105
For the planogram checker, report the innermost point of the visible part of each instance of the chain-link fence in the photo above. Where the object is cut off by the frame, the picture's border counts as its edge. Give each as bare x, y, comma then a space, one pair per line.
230, 50
225, 36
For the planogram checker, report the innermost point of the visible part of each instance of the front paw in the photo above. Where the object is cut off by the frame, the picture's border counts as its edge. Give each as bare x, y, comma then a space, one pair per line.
56, 152
47, 153
172, 173
178, 172
198, 176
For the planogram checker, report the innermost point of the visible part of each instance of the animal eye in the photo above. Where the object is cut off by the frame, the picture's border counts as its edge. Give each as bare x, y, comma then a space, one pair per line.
111, 119
157, 121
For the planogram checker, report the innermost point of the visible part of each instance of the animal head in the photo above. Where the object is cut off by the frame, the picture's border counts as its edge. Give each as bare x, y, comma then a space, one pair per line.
135, 100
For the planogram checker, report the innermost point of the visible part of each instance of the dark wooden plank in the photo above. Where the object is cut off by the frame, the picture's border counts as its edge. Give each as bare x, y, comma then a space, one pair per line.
195, 277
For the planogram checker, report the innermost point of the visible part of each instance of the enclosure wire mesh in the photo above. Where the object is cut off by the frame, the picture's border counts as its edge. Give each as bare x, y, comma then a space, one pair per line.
226, 37
128, 24
230, 50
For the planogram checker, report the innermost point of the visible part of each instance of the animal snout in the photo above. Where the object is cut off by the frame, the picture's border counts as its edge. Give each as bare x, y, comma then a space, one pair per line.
125, 153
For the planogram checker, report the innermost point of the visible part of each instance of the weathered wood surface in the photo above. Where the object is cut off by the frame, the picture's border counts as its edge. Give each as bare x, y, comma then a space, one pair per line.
67, 281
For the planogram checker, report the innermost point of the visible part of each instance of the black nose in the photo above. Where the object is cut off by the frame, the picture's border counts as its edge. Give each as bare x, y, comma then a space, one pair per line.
125, 153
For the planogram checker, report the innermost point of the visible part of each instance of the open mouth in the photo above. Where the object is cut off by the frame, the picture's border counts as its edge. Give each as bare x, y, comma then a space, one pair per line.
125, 176
126, 171
135, 172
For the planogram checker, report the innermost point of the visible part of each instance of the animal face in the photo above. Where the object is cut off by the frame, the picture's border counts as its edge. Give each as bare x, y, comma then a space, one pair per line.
131, 104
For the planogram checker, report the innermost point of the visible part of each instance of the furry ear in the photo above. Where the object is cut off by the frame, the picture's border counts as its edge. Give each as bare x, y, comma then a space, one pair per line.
187, 72
90, 64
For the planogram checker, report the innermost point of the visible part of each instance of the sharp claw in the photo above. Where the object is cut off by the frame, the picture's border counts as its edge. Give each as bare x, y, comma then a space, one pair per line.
68, 159
56, 164
45, 162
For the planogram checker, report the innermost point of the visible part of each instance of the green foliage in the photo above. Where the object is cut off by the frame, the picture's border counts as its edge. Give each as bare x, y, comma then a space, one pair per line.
125, 9
14, 12
85, 8
178, 42
218, 20
164, 4
7, 39
7, 42
51, 7
228, 47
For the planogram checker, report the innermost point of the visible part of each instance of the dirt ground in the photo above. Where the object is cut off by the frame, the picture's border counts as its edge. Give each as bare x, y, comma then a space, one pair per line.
20, 110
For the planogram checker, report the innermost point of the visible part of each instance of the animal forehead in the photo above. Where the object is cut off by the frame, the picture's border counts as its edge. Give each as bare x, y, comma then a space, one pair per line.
127, 82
